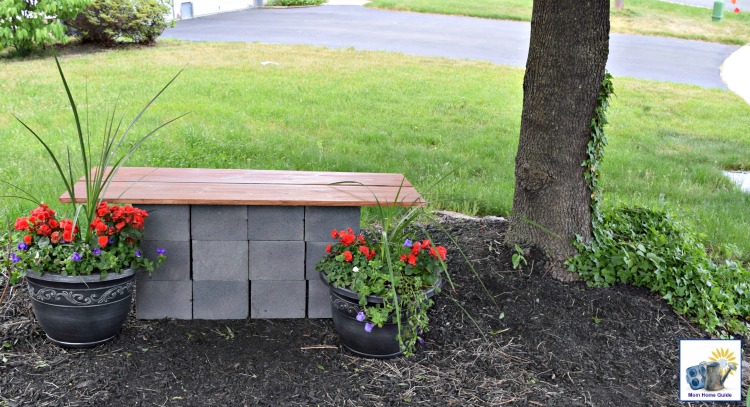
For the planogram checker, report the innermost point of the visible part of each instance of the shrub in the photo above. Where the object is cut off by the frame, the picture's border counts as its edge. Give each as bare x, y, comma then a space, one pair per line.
652, 249
108, 22
295, 2
27, 24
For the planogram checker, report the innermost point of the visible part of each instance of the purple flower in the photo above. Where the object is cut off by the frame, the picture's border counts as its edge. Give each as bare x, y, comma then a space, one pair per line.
96, 251
360, 316
407, 243
15, 258
369, 326
421, 341
23, 246
161, 252
111, 240
137, 253
76, 256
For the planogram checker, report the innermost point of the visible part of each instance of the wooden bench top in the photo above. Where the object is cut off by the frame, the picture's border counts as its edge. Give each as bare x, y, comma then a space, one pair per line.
199, 186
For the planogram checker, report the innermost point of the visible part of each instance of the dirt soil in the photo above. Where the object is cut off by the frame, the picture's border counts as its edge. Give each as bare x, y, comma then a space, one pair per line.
545, 343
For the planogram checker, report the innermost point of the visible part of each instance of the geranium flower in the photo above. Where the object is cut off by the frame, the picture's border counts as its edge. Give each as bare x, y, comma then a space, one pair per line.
347, 256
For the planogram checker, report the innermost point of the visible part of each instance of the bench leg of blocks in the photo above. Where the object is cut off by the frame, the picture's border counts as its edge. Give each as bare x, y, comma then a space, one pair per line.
164, 299
320, 220
220, 299
318, 300
277, 299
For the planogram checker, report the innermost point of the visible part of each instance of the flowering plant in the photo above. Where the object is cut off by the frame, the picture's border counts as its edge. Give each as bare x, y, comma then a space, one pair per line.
98, 238
51, 245
400, 272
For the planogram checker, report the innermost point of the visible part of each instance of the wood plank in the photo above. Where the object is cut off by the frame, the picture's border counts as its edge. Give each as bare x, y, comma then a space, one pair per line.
253, 194
235, 176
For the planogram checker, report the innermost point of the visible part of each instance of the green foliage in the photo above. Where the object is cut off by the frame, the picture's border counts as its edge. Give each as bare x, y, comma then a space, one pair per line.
518, 258
652, 249
287, 3
27, 24
595, 147
108, 22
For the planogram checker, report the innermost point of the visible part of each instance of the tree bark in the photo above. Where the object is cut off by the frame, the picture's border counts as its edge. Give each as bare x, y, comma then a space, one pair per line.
565, 67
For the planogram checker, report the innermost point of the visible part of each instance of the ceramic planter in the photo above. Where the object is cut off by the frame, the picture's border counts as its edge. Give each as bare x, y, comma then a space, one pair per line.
81, 311
381, 343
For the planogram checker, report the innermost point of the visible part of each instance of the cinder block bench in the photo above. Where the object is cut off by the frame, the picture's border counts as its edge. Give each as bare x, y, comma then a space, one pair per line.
244, 242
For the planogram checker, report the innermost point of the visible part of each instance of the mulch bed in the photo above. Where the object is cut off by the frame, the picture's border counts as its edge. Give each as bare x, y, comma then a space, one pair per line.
544, 343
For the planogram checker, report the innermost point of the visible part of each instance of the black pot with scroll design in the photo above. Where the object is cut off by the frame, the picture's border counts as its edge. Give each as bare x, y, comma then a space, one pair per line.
81, 311
380, 343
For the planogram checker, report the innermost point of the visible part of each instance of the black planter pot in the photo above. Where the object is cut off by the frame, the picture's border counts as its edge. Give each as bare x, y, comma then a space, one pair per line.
81, 311
381, 343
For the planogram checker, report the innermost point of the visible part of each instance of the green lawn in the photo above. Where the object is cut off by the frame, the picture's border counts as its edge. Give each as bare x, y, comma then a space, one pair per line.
341, 110
647, 17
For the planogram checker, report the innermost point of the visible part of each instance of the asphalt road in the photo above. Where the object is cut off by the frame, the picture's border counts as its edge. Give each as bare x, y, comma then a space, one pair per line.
500, 42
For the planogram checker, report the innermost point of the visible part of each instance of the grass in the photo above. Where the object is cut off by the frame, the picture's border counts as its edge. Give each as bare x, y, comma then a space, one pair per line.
341, 110
646, 17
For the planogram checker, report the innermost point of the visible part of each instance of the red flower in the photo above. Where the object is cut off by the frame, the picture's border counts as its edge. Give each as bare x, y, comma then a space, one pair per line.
736, 10
53, 223
55, 237
443, 252
347, 256
347, 239
403, 258
27, 239
426, 243
328, 248
103, 240
21, 224
334, 234
412, 260
416, 247
44, 230
67, 236
365, 251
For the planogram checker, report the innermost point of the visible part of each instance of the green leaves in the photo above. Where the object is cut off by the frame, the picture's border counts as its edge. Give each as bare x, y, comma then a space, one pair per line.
652, 249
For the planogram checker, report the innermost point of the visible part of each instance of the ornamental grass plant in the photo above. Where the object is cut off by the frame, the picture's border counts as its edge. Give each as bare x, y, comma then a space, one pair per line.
95, 237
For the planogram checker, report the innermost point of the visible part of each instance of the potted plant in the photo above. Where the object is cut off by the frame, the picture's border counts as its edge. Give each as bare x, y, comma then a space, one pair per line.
80, 269
382, 286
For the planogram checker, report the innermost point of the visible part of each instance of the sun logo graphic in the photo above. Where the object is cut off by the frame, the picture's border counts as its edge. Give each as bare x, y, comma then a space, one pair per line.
710, 369
726, 360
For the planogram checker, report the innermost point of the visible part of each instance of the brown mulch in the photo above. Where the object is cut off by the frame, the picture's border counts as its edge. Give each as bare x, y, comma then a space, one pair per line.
540, 343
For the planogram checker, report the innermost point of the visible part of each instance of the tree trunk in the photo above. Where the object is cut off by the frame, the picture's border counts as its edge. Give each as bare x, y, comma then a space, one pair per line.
619, 4
566, 65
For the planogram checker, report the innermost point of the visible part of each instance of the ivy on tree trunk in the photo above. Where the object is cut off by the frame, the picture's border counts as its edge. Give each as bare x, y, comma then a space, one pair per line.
564, 71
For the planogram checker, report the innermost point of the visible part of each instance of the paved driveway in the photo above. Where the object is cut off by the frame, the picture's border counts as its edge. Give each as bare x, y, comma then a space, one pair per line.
500, 42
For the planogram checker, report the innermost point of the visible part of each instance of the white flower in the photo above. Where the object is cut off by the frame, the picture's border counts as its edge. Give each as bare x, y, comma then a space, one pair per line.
355, 269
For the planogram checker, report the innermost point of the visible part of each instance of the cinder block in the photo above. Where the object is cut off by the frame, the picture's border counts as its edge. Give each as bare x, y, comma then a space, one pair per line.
221, 299
275, 223
278, 299
320, 220
318, 299
277, 260
167, 222
220, 260
313, 252
218, 222
164, 299
177, 265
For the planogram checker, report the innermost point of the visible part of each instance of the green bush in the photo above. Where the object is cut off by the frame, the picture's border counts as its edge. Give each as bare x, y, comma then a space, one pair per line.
295, 2
27, 24
108, 22
652, 249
